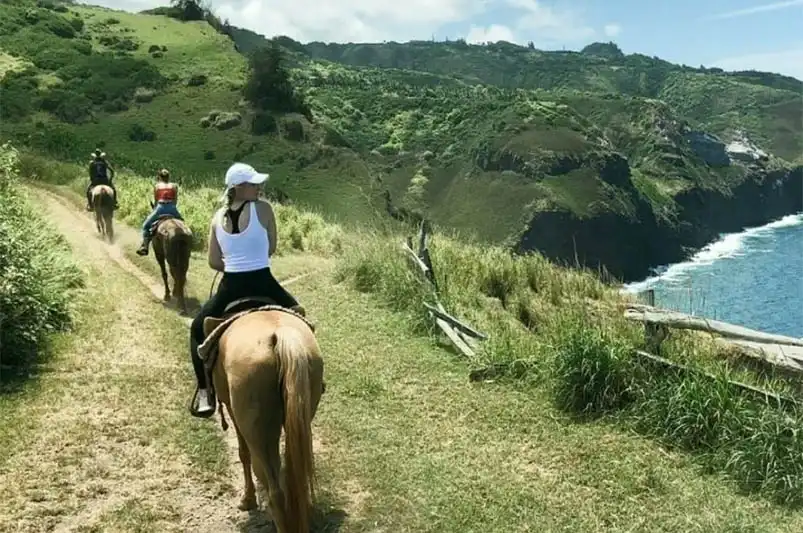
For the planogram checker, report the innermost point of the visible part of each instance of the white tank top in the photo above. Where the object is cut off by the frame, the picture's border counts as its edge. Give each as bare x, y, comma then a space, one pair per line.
245, 251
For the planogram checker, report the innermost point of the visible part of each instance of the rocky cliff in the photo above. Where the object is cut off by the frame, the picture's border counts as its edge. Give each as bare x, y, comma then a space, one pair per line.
760, 190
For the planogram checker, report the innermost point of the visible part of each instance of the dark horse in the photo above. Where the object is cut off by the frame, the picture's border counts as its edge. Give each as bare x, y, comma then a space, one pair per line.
103, 205
172, 241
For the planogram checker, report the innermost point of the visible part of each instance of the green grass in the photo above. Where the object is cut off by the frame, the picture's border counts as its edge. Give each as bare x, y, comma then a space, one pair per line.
494, 155
113, 408
38, 278
562, 332
575, 434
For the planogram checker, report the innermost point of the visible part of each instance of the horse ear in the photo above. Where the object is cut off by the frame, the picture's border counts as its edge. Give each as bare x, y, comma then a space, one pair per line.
210, 323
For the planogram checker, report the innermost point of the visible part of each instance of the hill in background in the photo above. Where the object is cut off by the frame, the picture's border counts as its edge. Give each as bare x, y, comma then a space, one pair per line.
595, 156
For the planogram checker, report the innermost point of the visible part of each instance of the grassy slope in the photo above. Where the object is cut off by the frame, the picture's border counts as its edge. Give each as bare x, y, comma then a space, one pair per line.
701, 95
174, 115
404, 443
542, 321
404, 374
391, 118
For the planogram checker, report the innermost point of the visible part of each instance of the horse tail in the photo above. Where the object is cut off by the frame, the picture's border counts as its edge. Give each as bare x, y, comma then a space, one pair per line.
181, 247
296, 390
105, 198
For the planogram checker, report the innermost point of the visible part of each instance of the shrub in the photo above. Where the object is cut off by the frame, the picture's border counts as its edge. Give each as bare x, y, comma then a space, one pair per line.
263, 123
143, 95
139, 133
196, 80
591, 366
19, 91
68, 106
77, 24
36, 272
221, 120
293, 130
227, 120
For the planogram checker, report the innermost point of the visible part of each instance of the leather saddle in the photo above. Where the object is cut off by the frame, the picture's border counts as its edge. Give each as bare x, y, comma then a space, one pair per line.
155, 225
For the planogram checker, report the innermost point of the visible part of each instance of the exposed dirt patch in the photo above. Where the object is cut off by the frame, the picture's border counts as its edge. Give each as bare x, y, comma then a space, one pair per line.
100, 460
106, 444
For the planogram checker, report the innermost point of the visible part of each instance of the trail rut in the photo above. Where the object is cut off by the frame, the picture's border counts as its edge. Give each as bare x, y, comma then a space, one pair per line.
103, 451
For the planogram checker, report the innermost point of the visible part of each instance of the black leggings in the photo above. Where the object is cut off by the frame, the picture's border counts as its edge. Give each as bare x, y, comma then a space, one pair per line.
233, 286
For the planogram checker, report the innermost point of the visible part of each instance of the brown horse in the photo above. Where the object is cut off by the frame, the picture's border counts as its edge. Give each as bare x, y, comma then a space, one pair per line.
269, 374
172, 241
103, 206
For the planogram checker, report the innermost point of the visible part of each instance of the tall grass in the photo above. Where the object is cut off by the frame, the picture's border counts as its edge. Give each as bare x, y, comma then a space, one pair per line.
299, 230
564, 330
37, 275
550, 327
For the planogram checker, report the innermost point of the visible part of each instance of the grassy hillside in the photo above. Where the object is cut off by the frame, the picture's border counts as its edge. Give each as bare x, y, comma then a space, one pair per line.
711, 98
140, 86
560, 353
482, 139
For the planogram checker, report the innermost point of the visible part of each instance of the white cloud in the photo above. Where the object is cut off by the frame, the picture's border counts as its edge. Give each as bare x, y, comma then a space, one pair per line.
757, 9
399, 20
612, 30
341, 20
788, 62
549, 26
491, 34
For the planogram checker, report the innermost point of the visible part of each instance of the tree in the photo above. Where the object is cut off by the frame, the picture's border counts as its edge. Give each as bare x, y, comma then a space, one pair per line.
189, 9
268, 87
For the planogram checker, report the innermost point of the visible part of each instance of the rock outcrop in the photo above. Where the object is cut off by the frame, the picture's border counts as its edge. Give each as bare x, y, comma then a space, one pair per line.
629, 247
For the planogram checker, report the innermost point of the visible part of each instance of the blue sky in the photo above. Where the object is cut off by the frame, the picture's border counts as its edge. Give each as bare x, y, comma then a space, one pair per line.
732, 34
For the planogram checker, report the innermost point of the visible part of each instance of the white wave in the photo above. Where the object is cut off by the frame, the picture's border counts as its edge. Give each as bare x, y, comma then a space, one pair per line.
728, 245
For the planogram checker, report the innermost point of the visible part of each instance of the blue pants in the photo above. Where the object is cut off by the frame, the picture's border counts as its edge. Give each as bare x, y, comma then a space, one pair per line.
168, 208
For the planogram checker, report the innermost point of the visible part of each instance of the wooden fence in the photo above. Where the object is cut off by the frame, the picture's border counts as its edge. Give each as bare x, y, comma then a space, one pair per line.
779, 350
464, 337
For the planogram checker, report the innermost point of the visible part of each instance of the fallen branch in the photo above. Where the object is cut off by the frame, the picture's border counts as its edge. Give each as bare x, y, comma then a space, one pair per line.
674, 319
766, 395
790, 357
454, 337
440, 313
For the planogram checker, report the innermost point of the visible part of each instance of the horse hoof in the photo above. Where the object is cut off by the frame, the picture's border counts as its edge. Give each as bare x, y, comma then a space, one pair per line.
248, 503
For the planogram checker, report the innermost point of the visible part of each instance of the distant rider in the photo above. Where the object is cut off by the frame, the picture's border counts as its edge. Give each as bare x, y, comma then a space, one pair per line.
242, 239
98, 175
165, 194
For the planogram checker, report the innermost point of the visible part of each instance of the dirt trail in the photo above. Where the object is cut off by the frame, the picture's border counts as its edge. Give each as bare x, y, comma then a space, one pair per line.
106, 455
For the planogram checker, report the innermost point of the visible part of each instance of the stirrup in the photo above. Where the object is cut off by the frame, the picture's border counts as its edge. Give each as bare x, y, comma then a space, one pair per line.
193, 409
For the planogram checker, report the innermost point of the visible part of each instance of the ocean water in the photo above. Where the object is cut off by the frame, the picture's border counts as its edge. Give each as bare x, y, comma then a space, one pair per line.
753, 279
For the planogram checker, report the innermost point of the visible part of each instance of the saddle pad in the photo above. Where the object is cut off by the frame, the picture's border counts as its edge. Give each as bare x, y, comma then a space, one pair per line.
208, 350
155, 225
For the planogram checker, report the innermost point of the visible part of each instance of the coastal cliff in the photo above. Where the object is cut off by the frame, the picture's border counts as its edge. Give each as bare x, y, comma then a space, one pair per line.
629, 247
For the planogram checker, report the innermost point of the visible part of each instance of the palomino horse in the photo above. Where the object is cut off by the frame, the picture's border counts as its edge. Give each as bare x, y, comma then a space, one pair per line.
269, 373
172, 241
103, 206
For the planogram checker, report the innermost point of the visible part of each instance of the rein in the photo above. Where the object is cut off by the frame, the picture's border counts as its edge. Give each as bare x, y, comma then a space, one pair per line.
212, 286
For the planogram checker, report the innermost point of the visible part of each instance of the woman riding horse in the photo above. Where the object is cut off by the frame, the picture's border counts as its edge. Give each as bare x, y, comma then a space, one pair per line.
241, 243
165, 194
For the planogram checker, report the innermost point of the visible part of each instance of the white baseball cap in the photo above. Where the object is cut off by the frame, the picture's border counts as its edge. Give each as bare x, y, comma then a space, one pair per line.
240, 173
